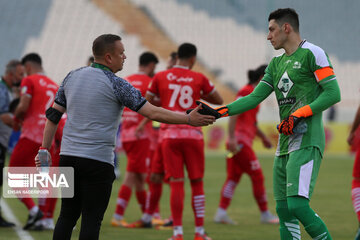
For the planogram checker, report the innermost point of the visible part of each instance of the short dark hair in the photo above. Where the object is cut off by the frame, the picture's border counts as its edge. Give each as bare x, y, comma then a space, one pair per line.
91, 59
286, 15
103, 44
254, 75
173, 55
186, 50
11, 65
31, 57
146, 58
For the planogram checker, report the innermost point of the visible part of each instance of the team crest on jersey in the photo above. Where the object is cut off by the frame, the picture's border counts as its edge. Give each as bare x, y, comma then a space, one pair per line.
297, 65
285, 84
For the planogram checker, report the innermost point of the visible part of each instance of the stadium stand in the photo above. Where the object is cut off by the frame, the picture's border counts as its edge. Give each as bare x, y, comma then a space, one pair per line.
231, 36
138, 22
62, 33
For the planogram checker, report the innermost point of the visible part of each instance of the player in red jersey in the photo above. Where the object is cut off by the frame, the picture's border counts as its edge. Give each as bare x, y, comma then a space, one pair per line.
156, 170
354, 137
178, 88
135, 145
242, 159
37, 94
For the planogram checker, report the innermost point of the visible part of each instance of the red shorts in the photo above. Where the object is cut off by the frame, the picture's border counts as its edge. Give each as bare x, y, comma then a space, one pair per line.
356, 169
157, 164
24, 153
138, 155
178, 153
244, 161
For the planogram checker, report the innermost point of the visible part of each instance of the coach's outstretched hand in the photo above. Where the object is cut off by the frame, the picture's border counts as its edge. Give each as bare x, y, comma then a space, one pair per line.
197, 119
207, 110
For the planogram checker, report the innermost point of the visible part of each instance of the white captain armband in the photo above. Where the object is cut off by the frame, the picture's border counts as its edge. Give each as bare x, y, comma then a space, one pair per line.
53, 115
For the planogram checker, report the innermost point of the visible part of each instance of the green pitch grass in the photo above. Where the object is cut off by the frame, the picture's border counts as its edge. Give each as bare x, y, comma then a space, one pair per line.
331, 200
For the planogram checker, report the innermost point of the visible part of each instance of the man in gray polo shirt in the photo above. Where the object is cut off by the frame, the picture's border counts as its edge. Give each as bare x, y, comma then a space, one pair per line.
14, 72
94, 98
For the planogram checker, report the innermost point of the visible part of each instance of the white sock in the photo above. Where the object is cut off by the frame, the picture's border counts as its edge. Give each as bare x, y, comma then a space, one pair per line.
221, 212
34, 210
118, 216
178, 230
200, 230
265, 213
146, 218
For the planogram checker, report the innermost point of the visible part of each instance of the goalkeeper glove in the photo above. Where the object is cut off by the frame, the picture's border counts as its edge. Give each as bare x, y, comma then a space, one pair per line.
288, 124
207, 110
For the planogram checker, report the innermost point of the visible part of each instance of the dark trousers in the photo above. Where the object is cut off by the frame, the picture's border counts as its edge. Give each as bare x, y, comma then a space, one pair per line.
2, 162
93, 182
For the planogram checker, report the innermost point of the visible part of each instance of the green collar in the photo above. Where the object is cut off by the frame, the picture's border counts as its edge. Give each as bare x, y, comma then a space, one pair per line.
103, 67
3, 82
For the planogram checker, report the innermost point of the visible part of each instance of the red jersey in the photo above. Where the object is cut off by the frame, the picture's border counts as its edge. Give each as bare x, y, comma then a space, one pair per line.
131, 119
245, 129
178, 88
42, 91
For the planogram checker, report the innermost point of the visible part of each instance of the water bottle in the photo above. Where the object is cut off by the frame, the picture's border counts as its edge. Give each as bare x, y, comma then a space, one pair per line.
44, 160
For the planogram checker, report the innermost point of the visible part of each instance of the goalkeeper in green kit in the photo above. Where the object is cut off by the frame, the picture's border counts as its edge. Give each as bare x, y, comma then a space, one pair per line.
305, 85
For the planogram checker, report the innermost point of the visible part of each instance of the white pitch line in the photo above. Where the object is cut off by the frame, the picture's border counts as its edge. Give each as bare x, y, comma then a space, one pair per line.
23, 235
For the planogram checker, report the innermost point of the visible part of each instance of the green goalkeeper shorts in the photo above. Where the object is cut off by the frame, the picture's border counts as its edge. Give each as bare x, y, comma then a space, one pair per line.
295, 174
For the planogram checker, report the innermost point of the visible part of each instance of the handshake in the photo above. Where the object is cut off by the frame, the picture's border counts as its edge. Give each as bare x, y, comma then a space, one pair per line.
207, 110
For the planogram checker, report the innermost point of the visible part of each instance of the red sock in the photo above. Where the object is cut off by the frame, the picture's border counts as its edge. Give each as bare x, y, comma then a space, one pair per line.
123, 199
198, 202
227, 193
177, 202
42, 205
141, 198
50, 207
355, 196
29, 202
154, 194
259, 190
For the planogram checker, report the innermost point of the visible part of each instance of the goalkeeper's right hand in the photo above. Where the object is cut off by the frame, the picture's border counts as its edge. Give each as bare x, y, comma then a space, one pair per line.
207, 110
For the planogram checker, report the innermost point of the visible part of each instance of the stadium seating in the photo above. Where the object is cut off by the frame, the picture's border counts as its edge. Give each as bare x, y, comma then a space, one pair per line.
64, 34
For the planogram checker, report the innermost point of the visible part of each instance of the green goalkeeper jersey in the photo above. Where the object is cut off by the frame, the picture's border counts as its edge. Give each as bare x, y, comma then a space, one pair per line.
303, 78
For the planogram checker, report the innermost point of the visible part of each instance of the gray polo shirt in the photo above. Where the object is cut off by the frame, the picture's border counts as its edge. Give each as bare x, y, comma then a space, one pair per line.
94, 99
5, 99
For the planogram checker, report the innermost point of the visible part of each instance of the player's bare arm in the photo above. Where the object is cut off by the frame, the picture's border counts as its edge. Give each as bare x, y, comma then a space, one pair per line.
265, 140
232, 142
23, 106
214, 98
7, 119
354, 126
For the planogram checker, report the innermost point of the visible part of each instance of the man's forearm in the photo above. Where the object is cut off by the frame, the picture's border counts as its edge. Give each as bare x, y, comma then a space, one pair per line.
49, 133
231, 126
356, 122
7, 118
